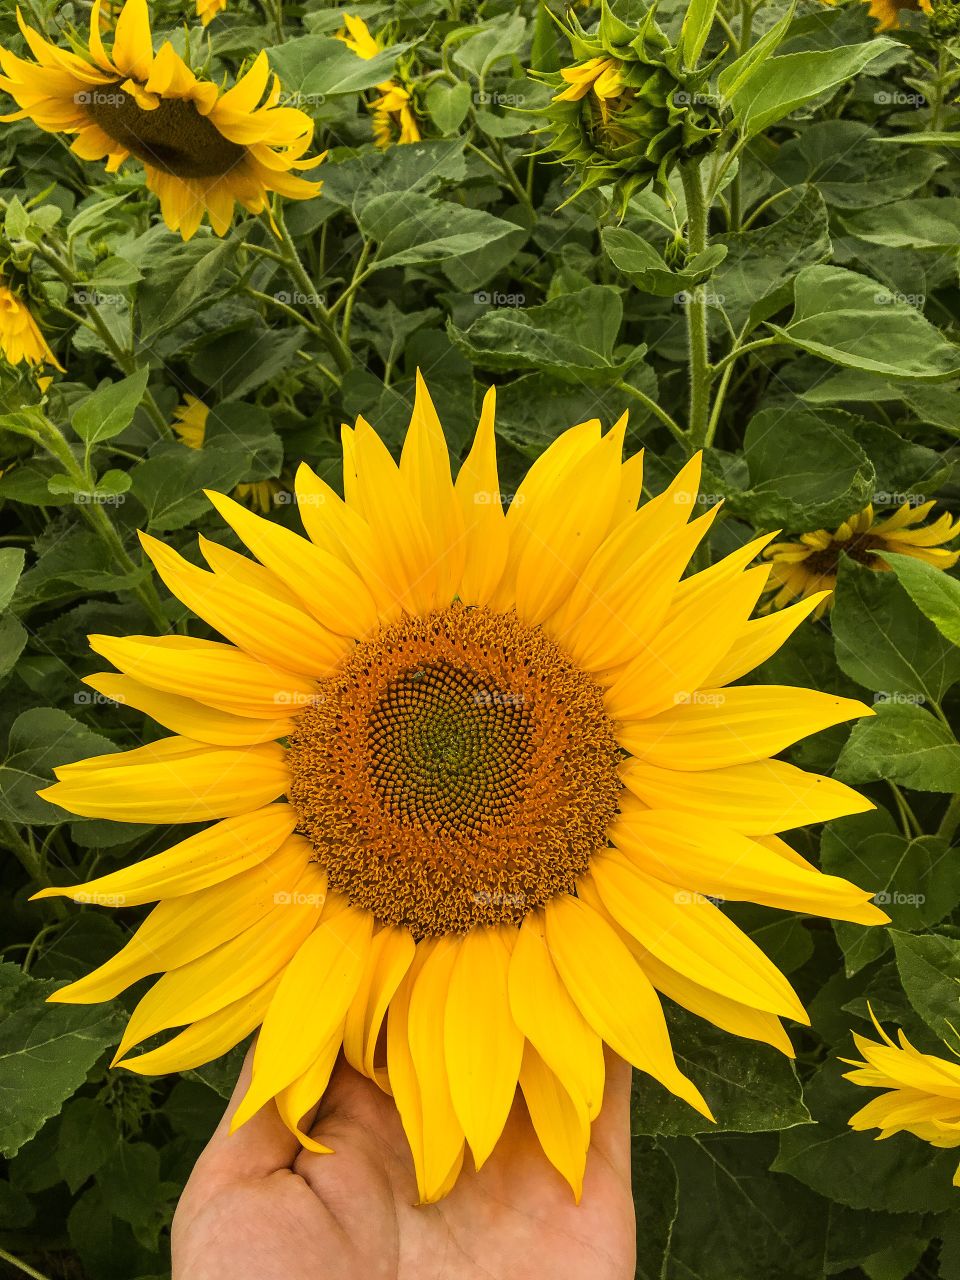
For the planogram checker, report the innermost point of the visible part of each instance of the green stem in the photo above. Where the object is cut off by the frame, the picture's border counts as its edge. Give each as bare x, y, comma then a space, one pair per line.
672, 426
951, 820
908, 819
350, 293
701, 374
24, 1267
736, 186
300, 276
26, 854
747, 347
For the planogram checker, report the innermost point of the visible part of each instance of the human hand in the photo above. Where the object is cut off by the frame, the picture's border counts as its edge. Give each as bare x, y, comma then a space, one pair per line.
259, 1207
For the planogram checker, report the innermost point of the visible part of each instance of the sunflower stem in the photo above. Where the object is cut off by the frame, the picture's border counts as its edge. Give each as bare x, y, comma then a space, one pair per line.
22, 1266
301, 277
735, 219
950, 821
701, 374
636, 394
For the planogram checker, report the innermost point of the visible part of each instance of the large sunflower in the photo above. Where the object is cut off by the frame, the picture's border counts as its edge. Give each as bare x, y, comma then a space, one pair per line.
473, 775
202, 149
810, 565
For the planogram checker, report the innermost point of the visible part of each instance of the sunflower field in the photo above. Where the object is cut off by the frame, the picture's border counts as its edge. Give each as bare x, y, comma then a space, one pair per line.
477, 591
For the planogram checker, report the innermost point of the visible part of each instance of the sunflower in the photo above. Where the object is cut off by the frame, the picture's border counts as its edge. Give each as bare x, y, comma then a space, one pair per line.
202, 149
923, 1091
190, 427
207, 10
20, 338
886, 13
810, 566
475, 778
394, 119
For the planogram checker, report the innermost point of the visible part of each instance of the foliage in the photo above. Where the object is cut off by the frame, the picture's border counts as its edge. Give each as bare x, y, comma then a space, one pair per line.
799, 277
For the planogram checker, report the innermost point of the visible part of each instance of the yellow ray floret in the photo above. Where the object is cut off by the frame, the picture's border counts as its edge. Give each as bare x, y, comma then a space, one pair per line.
478, 788
203, 149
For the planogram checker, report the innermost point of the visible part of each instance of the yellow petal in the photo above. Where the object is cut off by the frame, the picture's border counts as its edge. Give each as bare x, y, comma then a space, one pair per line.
403, 1078
183, 929
482, 1043
711, 859
175, 780
215, 674
221, 851
302, 1094
186, 717
561, 1124
425, 469
485, 525
758, 799
332, 592
132, 42
391, 954
209, 1038
691, 935
266, 628
759, 639
552, 1023
441, 1129
310, 1004
719, 727
212, 982
613, 993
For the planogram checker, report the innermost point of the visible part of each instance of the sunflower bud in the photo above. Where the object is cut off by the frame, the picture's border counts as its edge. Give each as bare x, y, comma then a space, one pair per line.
944, 21
627, 112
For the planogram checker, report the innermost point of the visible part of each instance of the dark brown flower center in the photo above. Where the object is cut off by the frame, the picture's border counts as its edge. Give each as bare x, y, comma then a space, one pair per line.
174, 137
458, 771
826, 563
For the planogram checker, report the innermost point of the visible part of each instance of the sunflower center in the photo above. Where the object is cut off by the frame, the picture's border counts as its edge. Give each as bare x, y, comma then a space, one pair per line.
174, 137
458, 770
826, 563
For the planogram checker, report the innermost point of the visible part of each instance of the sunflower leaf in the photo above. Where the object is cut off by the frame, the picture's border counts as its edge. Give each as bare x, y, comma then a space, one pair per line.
935, 594
903, 743
929, 969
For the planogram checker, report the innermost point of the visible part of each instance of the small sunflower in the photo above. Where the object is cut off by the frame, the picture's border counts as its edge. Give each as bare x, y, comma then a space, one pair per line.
472, 776
394, 119
203, 150
20, 338
207, 10
810, 566
190, 427
886, 13
923, 1091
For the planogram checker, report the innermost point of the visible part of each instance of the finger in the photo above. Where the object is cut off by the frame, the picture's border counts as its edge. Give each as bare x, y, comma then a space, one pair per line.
259, 1147
611, 1129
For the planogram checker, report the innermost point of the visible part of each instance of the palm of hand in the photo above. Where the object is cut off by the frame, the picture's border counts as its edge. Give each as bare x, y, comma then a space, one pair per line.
259, 1208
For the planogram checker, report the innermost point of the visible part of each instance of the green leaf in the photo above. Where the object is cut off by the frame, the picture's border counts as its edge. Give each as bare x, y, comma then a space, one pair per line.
553, 338
40, 739
176, 284
171, 481
11, 566
933, 591
46, 1051
88, 1136
750, 1087
413, 229
848, 170
929, 969
501, 38
903, 743
737, 75
932, 223
448, 105
753, 281
851, 320
782, 84
316, 67
805, 470
915, 881
695, 29
883, 643
110, 409
640, 262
